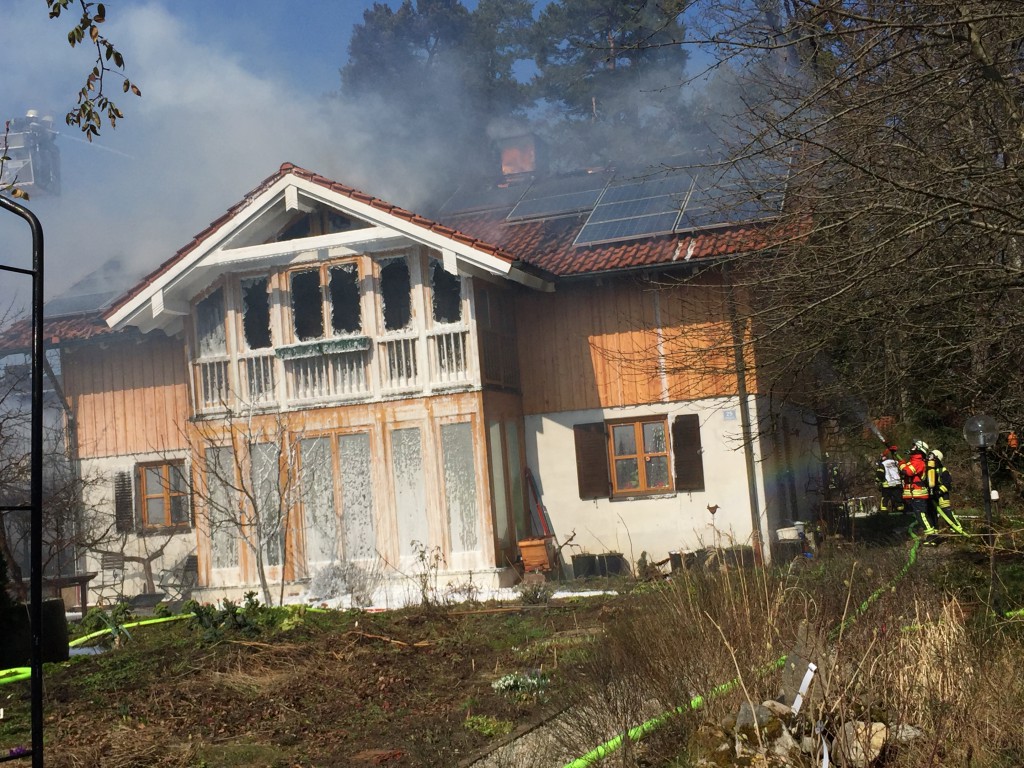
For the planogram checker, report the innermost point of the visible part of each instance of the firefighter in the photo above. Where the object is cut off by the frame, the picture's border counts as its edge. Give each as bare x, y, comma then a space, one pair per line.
913, 472
890, 487
939, 484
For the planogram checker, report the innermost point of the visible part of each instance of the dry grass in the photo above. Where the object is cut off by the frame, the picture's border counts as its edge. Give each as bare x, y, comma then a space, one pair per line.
890, 647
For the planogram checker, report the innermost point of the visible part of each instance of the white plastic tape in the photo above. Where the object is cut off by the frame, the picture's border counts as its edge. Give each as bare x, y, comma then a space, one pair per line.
804, 685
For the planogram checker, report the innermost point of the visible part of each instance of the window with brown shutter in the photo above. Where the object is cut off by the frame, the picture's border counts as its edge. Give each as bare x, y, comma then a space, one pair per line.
689, 457
592, 461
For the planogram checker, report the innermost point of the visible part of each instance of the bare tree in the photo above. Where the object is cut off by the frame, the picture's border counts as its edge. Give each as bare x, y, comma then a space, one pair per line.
252, 487
891, 281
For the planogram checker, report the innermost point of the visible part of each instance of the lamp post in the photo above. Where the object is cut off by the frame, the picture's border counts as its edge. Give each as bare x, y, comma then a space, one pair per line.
980, 432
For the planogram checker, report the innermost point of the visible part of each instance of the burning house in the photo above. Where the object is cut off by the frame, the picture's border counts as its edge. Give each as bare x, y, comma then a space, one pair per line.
322, 377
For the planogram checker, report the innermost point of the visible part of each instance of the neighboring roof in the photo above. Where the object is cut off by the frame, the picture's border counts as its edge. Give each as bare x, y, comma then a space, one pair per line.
56, 331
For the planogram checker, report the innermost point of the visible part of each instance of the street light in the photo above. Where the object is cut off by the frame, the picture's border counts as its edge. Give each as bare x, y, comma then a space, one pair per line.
981, 432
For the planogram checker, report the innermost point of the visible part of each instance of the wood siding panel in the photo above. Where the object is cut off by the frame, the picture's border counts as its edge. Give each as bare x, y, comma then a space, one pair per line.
598, 346
127, 398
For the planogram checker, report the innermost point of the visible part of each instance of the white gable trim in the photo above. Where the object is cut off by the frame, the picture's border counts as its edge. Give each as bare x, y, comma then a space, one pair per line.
156, 300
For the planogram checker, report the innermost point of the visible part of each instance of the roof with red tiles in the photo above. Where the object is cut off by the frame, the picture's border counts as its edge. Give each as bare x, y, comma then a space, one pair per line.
287, 169
58, 331
547, 244
544, 244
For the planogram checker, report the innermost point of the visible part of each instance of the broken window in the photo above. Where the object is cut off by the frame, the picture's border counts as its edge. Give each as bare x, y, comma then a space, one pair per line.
447, 294
307, 305
395, 294
211, 338
256, 313
344, 289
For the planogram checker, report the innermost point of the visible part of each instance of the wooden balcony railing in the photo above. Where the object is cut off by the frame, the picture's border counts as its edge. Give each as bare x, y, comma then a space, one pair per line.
336, 370
449, 362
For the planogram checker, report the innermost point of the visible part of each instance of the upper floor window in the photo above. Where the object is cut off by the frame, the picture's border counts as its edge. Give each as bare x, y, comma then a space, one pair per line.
395, 294
255, 312
325, 297
446, 292
211, 336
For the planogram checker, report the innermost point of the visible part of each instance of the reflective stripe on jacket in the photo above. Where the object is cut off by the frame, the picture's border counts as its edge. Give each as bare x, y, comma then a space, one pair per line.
915, 484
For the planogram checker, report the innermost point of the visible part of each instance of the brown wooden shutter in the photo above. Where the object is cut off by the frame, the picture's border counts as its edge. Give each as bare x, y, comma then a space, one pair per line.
124, 512
689, 460
592, 461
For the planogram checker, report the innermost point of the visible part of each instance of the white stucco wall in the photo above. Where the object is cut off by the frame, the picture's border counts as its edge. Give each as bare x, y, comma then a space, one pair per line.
674, 521
112, 584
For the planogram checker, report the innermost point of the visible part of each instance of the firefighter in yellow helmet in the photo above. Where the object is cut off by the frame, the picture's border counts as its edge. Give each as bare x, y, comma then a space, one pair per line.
940, 507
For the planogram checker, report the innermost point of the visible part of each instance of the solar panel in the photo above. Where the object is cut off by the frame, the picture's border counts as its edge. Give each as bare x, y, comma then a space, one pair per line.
558, 196
470, 198
725, 198
636, 207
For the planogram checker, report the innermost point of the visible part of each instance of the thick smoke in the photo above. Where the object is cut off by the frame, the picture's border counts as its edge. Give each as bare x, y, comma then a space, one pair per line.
208, 129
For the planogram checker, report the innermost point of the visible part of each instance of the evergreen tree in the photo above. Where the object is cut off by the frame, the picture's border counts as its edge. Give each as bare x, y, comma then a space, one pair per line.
611, 74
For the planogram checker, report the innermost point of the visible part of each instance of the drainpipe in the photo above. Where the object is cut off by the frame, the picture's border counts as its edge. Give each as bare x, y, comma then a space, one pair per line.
761, 553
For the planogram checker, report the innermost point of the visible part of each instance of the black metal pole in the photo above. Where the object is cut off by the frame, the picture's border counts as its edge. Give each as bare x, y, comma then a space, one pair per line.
36, 488
986, 490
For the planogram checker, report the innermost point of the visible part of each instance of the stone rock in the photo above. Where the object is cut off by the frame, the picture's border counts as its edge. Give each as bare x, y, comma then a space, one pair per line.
710, 738
904, 734
783, 744
748, 716
778, 709
858, 743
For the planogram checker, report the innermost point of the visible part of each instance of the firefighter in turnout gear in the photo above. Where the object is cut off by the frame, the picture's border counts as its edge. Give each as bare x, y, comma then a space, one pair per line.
913, 472
890, 487
939, 484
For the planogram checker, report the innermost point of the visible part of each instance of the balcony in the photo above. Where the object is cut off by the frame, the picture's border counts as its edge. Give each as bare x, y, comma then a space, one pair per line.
340, 370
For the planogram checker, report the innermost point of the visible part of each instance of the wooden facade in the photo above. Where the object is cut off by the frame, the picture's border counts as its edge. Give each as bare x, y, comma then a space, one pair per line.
127, 396
624, 341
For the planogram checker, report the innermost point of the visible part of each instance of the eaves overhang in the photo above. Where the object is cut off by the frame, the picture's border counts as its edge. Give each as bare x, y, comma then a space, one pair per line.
163, 298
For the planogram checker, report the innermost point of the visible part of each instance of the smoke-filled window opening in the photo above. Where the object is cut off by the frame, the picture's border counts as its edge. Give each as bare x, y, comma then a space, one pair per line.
395, 294
211, 336
307, 305
446, 289
256, 313
346, 317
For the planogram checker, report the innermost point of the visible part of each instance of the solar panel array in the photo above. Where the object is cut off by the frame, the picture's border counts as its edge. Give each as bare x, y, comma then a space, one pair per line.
631, 204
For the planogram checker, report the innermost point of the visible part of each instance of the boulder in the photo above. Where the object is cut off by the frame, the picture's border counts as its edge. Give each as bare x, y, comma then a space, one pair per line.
857, 743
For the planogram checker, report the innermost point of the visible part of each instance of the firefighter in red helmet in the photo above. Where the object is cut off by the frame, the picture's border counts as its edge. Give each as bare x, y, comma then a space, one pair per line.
913, 471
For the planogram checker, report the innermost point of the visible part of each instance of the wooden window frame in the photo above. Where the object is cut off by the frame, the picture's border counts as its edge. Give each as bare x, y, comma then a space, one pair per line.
326, 301
595, 457
166, 494
641, 456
